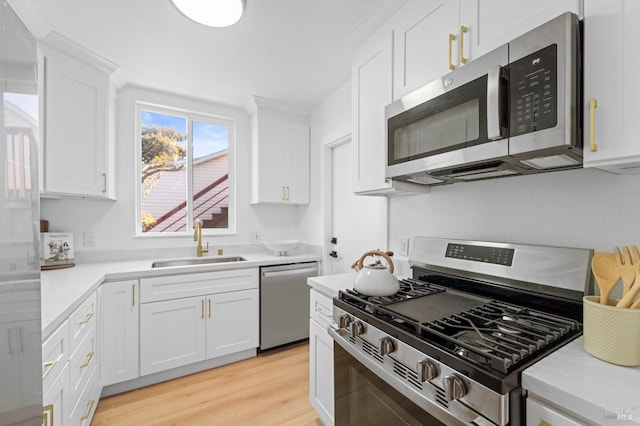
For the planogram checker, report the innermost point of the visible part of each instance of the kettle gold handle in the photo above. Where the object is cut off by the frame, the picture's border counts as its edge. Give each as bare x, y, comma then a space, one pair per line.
386, 255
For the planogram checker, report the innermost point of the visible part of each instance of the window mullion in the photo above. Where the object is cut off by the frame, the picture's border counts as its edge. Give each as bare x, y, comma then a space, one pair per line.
190, 218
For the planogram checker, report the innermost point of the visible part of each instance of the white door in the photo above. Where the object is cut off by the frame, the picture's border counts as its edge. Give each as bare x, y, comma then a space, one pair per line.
359, 223
233, 322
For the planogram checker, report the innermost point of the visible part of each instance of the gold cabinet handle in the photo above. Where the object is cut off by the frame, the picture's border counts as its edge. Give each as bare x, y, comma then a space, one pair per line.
543, 423
47, 415
87, 318
90, 405
104, 184
288, 193
463, 31
48, 366
209, 308
133, 295
593, 104
452, 38
202, 308
90, 356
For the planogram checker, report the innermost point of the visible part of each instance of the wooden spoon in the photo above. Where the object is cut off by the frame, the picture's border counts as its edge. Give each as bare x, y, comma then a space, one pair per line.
604, 267
636, 304
627, 299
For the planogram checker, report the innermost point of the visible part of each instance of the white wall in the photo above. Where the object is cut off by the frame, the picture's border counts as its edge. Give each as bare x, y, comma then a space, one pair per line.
575, 208
114, 222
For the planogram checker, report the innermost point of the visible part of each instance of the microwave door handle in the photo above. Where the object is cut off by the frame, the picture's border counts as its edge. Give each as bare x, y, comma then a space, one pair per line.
494, 130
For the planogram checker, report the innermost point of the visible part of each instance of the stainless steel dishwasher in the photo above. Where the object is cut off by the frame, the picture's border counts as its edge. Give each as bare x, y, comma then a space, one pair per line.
284, 303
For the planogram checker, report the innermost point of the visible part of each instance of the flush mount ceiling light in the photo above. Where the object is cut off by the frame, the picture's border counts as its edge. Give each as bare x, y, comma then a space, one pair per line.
213, 13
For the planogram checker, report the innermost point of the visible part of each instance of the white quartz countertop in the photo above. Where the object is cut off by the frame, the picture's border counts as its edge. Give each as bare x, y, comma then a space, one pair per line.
329, 285
594, 391
63, 290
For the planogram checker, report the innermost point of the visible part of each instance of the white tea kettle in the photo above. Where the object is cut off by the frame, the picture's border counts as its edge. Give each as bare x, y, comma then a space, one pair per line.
375, 279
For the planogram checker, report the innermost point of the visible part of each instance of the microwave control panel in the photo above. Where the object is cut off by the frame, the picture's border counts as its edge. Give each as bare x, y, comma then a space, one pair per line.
534, 92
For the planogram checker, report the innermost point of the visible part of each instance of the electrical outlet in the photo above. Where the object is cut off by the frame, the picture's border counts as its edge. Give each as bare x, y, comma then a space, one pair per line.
254, 236
89, 239
404, 247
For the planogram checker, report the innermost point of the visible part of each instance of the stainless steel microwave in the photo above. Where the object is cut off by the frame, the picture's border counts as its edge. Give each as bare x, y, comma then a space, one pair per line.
513, 111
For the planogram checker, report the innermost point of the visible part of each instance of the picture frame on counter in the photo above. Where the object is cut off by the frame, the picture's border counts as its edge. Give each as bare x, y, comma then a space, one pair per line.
56, 250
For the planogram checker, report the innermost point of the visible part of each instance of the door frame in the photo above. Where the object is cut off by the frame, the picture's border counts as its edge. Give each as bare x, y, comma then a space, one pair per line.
328, 198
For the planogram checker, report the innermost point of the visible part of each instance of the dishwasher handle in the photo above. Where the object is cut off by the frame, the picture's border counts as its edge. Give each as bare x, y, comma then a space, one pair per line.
301, 271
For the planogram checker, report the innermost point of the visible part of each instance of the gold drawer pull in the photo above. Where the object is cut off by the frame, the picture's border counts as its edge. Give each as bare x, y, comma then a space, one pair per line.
47, 415
87, 318
104, 185
463, 31
133, 295
452, 38
48, 367
90, 405
89, 358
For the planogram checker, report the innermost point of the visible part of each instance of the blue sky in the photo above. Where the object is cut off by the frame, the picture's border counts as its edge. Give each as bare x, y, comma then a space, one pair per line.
207, 138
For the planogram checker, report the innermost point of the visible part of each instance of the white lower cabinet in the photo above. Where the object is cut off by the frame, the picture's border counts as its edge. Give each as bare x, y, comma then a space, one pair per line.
215, 321
538, 413
70, 368
55, 400
120, 331
321, 393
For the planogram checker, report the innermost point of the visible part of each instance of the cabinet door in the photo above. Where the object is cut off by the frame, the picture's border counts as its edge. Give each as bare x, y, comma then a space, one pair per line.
172, 334
232, 322
492, 23
271, 160
55, 400
76, 115
421, 44
297, 163
119, 312
371, 91
321, 372
611, 61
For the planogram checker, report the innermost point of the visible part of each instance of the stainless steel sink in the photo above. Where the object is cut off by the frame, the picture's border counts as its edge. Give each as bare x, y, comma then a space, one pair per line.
195, 261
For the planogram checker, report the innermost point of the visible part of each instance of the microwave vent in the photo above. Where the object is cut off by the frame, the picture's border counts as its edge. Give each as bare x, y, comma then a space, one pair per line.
425, 180
551, 162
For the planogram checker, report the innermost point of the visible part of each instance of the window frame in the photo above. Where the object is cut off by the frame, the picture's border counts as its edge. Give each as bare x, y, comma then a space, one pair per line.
190, 116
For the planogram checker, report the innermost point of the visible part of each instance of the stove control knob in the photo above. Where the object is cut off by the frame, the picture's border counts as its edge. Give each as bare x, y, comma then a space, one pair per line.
454, 387
344, 321
427, 370
357, 328
386, 346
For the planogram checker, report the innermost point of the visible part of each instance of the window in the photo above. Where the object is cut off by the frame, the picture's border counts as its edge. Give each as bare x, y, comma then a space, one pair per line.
184, 172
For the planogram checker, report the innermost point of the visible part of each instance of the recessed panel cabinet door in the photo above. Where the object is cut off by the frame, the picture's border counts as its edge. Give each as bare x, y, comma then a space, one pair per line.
611, 86
120, 306
297, 161
75, 136
233, 322
172, 334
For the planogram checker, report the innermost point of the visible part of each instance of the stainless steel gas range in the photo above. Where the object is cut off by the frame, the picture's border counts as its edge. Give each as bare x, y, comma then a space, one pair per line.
450, 346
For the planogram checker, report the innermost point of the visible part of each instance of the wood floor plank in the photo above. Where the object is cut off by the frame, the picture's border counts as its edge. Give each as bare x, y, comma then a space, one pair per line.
271, 389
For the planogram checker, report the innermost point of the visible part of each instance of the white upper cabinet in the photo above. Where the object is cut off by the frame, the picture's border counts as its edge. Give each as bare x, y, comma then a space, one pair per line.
491, 23
77, 114
426, 43
280, 153
371, 74
611, 61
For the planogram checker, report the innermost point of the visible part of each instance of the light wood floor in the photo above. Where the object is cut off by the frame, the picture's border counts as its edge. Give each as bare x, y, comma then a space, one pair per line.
270, 389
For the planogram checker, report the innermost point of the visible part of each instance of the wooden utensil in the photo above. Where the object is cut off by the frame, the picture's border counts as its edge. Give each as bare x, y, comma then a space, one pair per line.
627, 299
604, 267
626, 267
635, 305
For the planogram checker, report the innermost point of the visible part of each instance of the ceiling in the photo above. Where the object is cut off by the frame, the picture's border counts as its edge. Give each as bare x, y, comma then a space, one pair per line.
293, 51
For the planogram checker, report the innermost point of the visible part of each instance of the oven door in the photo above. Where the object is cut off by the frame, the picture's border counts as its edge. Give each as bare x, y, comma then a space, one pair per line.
457, 120
362, 398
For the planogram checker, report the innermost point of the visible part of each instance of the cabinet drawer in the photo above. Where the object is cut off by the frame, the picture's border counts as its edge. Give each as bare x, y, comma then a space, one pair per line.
81, 320
321, 308
82, 363
178, 286
541, 414
55, 353
55, 400
87, 402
